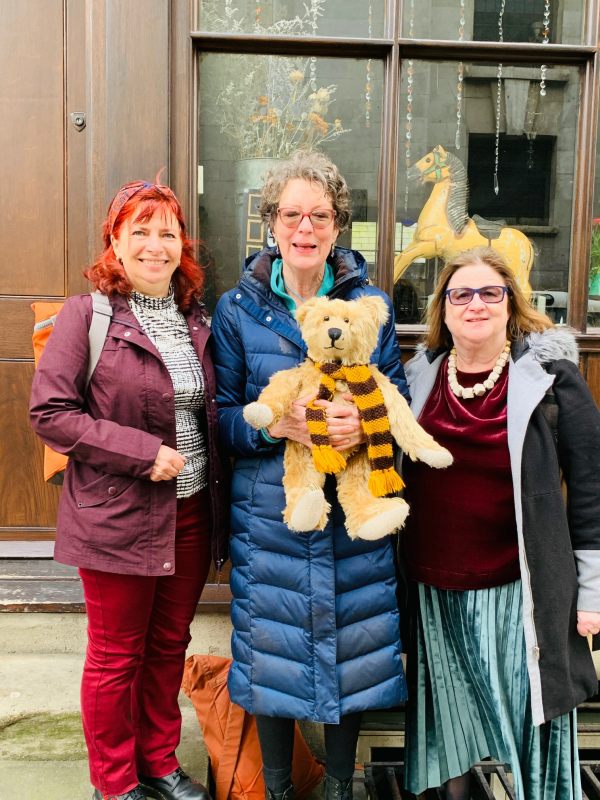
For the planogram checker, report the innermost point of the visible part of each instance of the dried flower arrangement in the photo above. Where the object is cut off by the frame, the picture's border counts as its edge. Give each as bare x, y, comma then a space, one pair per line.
273, 105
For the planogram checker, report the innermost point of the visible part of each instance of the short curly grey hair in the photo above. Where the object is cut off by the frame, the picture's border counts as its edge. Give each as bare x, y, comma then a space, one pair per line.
310, 166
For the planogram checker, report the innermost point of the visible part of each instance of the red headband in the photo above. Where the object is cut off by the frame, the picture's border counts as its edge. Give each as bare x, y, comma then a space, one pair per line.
125, 193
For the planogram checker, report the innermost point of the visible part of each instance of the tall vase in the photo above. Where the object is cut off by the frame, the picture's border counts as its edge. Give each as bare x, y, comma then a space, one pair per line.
594, 285
248, 176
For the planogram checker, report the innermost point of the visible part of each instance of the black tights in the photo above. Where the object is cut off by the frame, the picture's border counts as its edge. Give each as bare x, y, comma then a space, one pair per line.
458, 788
276, 735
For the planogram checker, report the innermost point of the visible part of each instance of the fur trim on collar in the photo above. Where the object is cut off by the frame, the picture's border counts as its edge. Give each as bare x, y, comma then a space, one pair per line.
554, 344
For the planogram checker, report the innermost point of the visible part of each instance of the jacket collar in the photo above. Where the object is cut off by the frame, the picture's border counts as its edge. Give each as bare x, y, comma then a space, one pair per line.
349, 269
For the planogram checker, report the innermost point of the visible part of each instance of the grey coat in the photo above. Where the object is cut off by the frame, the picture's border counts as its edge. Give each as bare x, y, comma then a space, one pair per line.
559, 544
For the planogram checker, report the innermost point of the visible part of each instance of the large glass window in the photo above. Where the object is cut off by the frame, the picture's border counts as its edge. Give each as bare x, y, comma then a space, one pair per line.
293, 17
254, 109
487, 156
594, 274
535, 21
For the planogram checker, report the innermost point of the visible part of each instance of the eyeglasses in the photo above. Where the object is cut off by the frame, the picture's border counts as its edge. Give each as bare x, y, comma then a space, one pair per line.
463, 295
319, 218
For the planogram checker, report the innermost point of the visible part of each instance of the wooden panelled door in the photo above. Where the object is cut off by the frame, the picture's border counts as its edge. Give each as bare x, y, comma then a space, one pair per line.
43, 236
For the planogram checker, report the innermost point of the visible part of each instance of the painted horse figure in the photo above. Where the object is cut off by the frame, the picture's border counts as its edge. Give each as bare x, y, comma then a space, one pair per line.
444, 227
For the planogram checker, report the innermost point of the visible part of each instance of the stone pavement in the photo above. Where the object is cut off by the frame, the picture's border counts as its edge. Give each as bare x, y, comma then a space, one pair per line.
42, 752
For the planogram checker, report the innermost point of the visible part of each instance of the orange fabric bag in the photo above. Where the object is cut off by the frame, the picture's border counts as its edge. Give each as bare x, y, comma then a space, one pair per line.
45, 314
231, 737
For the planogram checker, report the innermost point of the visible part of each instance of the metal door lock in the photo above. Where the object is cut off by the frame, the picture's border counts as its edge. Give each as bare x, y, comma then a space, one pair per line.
78, 119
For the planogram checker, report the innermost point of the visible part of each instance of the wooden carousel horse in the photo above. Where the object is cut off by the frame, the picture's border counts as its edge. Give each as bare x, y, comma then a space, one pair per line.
445, 229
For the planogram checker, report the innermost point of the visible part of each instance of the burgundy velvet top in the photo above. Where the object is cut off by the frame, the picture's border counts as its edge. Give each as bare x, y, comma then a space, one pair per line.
461, 531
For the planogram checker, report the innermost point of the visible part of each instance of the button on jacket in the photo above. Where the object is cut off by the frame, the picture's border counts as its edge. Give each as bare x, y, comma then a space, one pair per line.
111, 516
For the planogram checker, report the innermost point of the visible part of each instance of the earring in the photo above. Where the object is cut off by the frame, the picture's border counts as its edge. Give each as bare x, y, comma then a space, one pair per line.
331, 255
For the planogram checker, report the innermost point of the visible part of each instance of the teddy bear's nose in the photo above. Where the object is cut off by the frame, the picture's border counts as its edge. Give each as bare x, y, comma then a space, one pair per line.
334, 334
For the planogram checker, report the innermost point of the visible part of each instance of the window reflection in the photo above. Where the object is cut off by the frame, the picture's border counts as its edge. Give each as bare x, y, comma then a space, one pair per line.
491, 163
254, 110
535, 21
293, 17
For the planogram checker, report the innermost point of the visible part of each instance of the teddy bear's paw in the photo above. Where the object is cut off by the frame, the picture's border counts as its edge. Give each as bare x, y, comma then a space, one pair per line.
309, 512
385, 522
435, 458
258, 415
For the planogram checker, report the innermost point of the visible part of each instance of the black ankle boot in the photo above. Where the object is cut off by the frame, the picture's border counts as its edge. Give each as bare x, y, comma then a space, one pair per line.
134, 794
174, 786
287, 795
337, 790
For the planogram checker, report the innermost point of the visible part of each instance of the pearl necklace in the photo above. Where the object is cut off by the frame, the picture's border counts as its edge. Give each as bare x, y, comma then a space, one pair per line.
480, 388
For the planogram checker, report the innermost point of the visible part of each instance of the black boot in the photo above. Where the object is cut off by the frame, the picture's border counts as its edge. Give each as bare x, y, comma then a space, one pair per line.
337, 790
175, 786
287, 795
134, 794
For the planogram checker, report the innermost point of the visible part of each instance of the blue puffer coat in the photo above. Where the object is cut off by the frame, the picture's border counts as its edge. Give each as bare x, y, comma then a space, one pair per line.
316, 624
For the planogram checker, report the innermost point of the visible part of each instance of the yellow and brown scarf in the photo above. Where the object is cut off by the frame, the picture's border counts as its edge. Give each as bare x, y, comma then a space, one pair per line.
373, 416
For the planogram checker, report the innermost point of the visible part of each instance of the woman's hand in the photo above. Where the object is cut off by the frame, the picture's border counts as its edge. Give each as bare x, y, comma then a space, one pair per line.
588, 622
293, 424
167, 465
343, 424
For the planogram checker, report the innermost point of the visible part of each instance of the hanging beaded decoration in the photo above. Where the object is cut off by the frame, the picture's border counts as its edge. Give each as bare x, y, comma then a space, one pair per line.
314, 24
498, 100
369, 81
257, 15
460, 77
545, 40
410, 71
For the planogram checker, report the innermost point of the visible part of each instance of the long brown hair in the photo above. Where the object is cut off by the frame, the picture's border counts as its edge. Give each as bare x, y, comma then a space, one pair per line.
139, 201
522, 318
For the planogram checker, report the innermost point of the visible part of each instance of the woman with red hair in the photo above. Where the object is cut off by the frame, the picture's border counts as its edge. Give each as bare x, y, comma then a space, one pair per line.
141, 511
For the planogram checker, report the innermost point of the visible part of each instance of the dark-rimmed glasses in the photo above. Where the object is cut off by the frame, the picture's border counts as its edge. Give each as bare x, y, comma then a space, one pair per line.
319, 218
462, 295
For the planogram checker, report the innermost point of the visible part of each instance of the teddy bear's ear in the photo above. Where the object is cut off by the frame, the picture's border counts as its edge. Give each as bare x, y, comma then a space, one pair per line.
306, 308
375, 307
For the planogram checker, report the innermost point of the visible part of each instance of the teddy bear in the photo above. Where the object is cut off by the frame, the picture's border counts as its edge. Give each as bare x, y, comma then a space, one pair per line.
340, 336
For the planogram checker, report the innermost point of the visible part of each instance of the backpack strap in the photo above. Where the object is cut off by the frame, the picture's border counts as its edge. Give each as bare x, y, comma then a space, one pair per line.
101, 316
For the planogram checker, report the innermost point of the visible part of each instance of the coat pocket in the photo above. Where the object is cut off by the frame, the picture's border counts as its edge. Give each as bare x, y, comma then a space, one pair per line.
102, 490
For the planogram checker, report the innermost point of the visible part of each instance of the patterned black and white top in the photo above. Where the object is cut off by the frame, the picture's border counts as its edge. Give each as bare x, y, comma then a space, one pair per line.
165, 326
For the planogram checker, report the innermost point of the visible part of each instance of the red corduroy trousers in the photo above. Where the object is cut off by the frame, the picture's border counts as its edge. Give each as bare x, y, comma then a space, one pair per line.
138, 632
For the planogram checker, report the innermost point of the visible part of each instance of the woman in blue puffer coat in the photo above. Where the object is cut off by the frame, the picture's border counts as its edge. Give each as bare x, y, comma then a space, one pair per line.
316, 625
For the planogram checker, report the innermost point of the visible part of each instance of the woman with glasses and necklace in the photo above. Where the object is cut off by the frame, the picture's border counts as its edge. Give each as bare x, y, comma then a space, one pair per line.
505, 578
316, 626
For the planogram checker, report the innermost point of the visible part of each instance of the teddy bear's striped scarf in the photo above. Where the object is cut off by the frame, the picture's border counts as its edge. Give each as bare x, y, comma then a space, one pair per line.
373, 416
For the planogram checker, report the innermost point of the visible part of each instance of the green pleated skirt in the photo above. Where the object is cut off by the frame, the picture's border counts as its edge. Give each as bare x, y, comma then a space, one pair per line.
469, 698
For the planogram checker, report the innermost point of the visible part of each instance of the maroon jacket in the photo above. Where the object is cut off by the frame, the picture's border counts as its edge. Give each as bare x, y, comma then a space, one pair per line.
111, 516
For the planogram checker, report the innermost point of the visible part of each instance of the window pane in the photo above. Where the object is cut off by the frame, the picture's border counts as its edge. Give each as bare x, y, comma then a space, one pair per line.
361, 18
594, 279
255, 109
477, 167
535, 21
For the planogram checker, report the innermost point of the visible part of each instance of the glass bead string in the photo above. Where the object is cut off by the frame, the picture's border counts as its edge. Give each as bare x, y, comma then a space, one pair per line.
409, 105
498, 101
545, 40
369, 80
460, 77
314, 24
